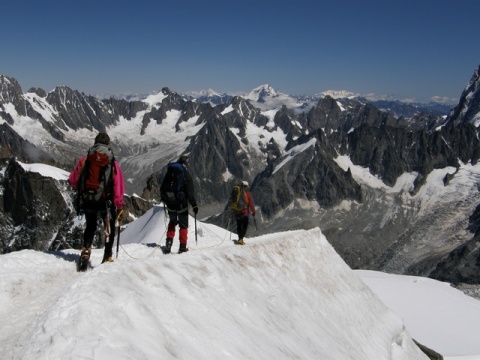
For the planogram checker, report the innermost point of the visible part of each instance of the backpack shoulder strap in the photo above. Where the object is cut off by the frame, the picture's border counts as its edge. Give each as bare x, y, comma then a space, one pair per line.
245, 199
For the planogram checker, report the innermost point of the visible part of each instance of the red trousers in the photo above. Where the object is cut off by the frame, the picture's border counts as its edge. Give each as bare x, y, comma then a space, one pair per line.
180, 219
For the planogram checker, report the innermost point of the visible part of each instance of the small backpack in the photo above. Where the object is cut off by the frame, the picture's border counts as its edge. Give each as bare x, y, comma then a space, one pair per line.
173, 185
238, 199
96, 179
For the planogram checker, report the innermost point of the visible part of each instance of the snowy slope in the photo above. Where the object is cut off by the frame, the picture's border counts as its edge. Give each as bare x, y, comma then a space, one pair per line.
281, 296
434, 313
284, 301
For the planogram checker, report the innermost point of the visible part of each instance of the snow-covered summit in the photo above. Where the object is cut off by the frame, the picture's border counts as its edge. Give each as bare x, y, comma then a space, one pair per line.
204, 93
261, 92
338, 94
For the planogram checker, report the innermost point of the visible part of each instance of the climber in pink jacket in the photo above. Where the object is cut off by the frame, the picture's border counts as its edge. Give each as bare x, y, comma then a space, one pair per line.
98, 179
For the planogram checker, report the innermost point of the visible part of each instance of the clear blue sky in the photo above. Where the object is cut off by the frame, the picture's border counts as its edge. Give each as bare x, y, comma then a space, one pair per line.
405, 48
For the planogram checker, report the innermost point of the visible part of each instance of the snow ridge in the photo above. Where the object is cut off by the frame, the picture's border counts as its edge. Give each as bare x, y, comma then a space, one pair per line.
283, 300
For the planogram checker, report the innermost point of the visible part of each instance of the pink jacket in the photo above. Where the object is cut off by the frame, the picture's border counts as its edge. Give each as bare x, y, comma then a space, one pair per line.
118, 183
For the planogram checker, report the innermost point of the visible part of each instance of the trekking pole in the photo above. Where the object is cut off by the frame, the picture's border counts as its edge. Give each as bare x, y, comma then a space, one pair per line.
196, 229
228, 226
255, 221
233, 219
106, 223
118, 230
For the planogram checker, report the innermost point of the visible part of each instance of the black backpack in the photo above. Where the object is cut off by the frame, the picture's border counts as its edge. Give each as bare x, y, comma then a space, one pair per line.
172, 190
95, 184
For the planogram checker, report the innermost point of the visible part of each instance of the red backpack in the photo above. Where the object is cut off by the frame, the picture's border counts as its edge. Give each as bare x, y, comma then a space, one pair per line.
96, 179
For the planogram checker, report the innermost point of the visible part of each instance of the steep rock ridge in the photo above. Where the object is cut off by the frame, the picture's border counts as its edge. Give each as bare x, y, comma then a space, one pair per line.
330, 116
286, 121
11, 95
36, 212
210, 156
308, 172
12, 145
367, 115
11, 92
239, 112
80, 111
326, 115
391, 151
421, 121
127, 109
386, 151
468, 108
158, 112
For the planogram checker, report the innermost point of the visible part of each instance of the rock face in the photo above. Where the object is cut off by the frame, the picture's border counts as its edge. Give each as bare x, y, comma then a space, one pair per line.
463, 263
310, 174
37, 213
468, 108
389, 152
13, 145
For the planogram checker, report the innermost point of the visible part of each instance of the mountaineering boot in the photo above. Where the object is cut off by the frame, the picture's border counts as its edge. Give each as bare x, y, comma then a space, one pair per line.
84, 258
107, 259
107, 255
168, 245
240, 242
183, 248
85, 255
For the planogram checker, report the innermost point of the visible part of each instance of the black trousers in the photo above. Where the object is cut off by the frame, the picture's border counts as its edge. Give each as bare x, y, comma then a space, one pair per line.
178, 218
242, 225
91, 215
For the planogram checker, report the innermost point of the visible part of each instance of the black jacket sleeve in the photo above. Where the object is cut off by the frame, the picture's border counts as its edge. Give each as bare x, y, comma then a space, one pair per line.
190, 189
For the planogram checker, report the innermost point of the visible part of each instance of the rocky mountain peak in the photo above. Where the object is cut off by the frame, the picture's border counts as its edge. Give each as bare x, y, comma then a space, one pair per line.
38, 91
468, 109
10, 89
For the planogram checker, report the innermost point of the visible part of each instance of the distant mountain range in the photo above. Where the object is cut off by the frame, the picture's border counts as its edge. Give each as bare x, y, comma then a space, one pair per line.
265, 97
393, 185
